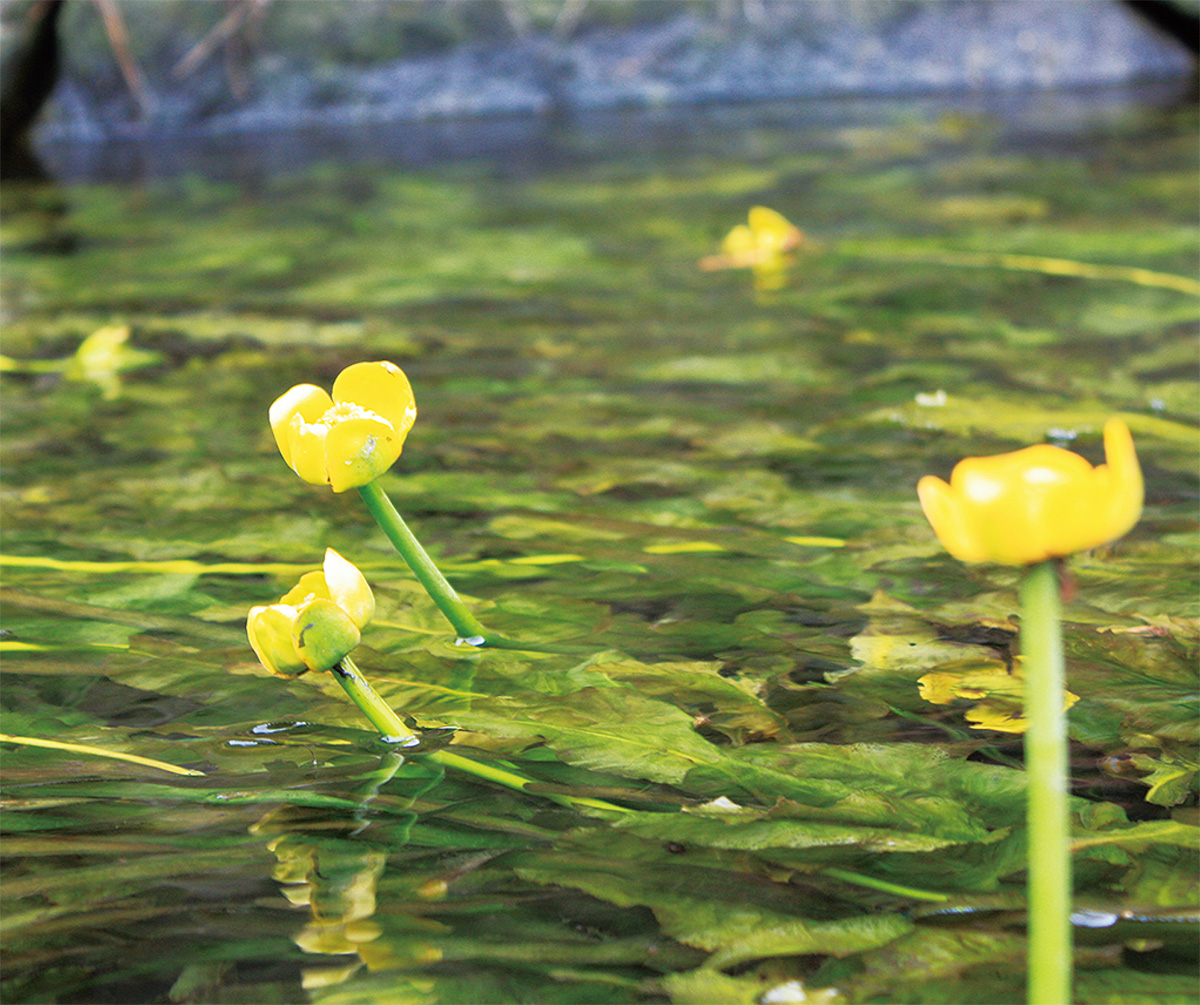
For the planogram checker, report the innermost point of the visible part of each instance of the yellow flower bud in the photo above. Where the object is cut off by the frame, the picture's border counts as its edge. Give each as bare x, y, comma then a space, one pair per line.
1038, 503
351, 438
273, 640
317, 623
339, 581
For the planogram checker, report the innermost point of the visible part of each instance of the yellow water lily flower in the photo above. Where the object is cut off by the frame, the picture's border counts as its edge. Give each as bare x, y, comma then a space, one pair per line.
1037, 503
317, 623
763, 240
352, 437
100, 359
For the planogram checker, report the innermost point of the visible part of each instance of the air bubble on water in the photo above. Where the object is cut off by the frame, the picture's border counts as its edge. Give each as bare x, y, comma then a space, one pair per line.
275, 727
1094, 919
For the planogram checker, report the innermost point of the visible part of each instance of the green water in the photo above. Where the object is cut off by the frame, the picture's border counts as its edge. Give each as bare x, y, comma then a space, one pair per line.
700, 497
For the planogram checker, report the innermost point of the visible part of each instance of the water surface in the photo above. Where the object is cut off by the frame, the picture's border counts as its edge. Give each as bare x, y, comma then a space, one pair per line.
693, 498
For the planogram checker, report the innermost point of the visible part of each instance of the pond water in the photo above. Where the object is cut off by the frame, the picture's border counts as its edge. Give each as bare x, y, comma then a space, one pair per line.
688, 492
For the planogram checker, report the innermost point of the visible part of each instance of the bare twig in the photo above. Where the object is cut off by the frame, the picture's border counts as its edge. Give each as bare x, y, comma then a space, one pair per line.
222, 32
118, 38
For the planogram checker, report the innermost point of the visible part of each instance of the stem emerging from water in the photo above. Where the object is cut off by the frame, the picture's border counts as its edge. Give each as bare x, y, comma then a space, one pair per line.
1049, 825
372, 706
428, 574
392, 730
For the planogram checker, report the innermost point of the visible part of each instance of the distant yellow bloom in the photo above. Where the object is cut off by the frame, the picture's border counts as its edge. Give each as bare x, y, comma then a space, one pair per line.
998, 692
317, 623
1038, 503
351, 438
764, 241
100, 359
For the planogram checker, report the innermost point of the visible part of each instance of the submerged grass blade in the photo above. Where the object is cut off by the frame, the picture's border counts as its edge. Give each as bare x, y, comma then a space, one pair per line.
80, 748
1047, 266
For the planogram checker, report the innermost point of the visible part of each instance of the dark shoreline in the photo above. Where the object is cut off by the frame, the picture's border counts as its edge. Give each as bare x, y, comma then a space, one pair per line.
533, 143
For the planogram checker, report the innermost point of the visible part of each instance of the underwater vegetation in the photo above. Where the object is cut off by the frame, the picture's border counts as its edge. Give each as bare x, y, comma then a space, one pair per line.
687, 700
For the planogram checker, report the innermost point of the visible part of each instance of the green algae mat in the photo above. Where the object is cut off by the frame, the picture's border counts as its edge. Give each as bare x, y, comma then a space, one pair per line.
689, 491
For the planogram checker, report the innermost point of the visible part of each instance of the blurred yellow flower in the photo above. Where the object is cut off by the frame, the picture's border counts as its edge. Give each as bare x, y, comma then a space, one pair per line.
317, 623
764, 243
100, 359
352, 437
998, 692
1038, 503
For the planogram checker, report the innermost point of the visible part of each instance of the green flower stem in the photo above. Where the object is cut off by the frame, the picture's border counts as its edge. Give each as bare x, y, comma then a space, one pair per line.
373, 707
393, 730
430, 577
510, 779
1049, 825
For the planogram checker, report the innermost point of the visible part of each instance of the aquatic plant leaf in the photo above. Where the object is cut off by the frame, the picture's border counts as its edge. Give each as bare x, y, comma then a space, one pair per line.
593, 729
92, 751
924, 957
895, 786
1171, 781
1011, 420
1127, 986
730, 707
706, 985
1141, 836
772, 937
713, 910
742, 829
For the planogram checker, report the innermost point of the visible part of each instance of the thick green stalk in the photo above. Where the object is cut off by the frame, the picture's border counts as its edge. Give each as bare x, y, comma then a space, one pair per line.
391, 729
1046, 767
465, 623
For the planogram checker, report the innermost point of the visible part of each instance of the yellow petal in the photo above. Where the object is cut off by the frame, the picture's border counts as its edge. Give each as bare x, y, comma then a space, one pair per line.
739, 247
1046, 509
938, 688
357, 451
1120, 479
312, 586
306, 449
773, 232
324, 634
945, 512
272, 637
380, 387
1033, 504
305, 400
1005, 717
348, 588
1001, 717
